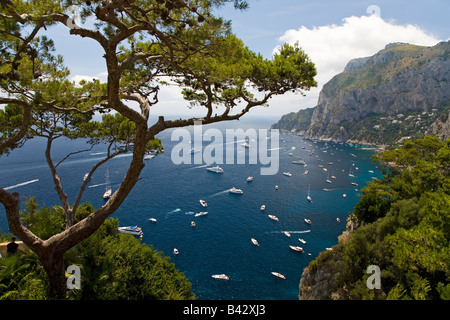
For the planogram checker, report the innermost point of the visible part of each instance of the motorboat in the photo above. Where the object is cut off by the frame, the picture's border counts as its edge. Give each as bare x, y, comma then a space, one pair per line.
85, 176
273, 217
175, 250
344, 195
300, 162
134, 230
276, 187
149, 156
338, 220
308, 221
249, 179
246, 145
236, 191
306, 172
287, 174
295, 248
301, 240
354, 183
215, 169
309, 198
203, 203
152, 220
201, 214
255, 242
287, 233
263, 207
220, 276
279, 275
192, 224
107, 194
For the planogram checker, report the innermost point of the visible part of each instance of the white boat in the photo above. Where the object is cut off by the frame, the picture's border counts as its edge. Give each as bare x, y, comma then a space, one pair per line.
220, 276
287, 174
301, 240
236, 191
295, 248
287, 233
149, 156
245, 144
306, 172
354, 183
276, 187
308, 221
108, 190
279, 275
215, 169
255, 242
344, 195
107, 194
192, 224
249, 179
273, 217
309, 198
263, 207
338, 220
152, 219
175, 250
85, 176
134, 230
301, 162
203, 203
201, 214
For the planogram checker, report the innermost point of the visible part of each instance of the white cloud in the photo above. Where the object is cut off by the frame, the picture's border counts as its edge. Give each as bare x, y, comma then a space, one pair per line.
330, 47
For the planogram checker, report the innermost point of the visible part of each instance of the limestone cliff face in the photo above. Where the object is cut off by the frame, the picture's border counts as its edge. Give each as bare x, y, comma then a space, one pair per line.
400, 79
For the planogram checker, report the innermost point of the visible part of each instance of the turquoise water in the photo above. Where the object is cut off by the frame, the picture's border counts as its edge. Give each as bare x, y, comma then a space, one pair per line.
221, 240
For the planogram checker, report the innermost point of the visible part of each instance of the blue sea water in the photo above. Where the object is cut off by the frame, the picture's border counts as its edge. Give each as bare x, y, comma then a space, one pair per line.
221, 240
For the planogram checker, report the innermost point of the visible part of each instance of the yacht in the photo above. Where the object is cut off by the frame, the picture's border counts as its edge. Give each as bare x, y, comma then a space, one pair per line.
263, 207
287, 233
299, 249
192, 224
220, 276
85, 176
108, 190
338, 220
287, 174
215, 169
249, 179
246, 145
279, 275
306, 172
255, 242
301, 162
134, 230
301, 240
201, 214
236, 191
175, 250
273, 217
152, 219
308, 221
203, 203
276, 187
149, 156
344, 195
354, 183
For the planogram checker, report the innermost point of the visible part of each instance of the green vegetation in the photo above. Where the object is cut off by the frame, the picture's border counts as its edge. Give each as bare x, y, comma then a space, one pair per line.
404, 228
113, 265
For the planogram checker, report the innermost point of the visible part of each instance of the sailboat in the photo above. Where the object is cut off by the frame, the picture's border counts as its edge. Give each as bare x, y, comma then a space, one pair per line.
108, 190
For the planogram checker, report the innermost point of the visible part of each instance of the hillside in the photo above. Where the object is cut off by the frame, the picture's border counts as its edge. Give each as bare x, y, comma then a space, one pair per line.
401, 225
400, 93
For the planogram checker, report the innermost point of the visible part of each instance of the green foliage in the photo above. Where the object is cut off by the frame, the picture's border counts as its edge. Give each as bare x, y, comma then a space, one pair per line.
405, 229
113, 265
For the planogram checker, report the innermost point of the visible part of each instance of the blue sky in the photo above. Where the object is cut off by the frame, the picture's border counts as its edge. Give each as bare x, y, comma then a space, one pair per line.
330, 32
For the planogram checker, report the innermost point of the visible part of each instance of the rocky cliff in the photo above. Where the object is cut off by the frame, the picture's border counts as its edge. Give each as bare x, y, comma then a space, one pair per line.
372, 98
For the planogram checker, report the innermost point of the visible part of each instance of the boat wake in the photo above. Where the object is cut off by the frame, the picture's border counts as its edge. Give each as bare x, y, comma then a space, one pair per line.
21, 184
203, 166
97, 185
219, 193
298, 231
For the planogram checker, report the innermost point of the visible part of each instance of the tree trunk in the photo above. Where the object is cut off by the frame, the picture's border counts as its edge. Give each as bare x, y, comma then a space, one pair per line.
54, 267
